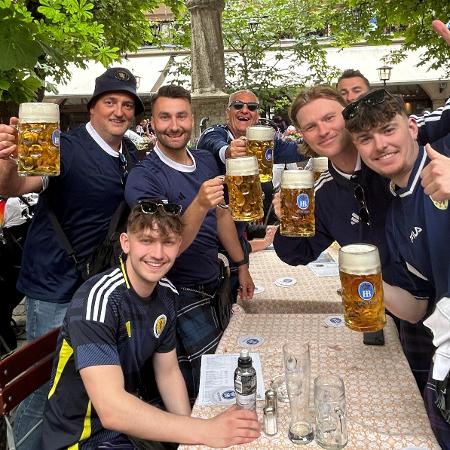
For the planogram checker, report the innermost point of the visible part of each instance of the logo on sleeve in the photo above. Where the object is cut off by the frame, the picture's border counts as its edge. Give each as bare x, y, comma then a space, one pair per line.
159, 325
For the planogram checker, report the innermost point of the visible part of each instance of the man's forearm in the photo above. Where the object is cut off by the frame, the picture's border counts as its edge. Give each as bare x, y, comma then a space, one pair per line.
173, 392
192, 220
403, 304
226, 230
11, 185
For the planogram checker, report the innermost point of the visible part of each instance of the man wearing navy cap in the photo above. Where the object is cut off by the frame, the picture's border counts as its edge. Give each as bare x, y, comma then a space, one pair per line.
83, 198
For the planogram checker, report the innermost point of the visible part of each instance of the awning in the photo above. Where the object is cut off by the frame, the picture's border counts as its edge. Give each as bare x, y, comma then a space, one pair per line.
150, 72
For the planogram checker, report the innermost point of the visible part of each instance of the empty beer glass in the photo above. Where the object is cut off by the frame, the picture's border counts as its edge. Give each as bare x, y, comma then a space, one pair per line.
244, 189
319, 165
260, 144
297, 203
362, 288
297, 369
38, 144
330, 412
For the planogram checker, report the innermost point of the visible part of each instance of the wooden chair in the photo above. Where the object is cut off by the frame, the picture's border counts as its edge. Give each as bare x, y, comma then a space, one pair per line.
24, 371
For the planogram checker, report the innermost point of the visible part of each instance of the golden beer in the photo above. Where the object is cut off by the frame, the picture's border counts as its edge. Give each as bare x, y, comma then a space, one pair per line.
362, 288
244, 189
38, 139
297, 203
260, 144
319, 165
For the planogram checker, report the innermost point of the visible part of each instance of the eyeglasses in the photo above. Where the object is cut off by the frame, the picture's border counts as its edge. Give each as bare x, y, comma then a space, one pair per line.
151, 207
360, 196
252, 106
373, 98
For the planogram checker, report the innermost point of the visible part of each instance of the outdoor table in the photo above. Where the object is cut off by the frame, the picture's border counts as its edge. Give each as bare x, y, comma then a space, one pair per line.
310, 294
384, 407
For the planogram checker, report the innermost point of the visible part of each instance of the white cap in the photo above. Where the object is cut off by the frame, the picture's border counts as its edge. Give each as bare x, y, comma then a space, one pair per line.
320, 164
359, 259
238, 167
297, 179
260, 133
39, 112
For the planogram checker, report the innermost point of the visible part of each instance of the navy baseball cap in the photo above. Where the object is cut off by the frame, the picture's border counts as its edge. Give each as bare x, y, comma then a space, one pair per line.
116, 79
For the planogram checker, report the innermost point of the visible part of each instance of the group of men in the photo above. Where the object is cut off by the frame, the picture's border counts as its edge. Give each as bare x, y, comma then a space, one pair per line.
130, 321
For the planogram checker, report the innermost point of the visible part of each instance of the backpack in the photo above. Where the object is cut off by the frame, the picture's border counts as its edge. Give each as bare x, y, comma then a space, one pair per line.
107, 254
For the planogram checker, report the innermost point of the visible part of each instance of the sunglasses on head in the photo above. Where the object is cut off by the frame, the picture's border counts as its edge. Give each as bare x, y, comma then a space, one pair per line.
151, 207
252, 106
373, 98
360, 196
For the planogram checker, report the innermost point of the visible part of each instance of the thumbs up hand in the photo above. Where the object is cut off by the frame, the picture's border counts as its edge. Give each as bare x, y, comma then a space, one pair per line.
436, 175
441, 29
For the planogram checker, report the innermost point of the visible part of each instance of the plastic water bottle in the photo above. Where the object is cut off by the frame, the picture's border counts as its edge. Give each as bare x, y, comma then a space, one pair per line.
245, 382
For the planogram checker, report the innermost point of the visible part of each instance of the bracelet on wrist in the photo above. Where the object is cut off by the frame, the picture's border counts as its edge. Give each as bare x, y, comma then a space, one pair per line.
240, 263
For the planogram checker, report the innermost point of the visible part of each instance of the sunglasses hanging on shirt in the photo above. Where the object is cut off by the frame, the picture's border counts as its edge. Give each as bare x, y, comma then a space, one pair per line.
360, 196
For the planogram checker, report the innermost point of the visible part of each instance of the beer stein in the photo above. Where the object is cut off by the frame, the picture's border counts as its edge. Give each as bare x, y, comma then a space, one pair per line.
297, 369
297, 203
260, 142
330, 412
244, 189
38, 139
362, 288
319, 165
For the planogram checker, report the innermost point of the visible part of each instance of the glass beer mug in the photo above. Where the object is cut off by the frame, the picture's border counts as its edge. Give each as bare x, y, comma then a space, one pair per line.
330, 412
297, 203
319, 165
362, 288
260, 144
38, 139
244, 189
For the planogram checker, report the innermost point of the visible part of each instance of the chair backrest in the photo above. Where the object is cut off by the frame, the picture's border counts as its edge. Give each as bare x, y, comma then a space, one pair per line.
25, 370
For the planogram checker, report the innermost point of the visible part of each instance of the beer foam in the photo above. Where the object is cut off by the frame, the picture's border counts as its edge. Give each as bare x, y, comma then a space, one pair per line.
359, 259
260, 133
294, 179
320, 164
246, 165
39, 113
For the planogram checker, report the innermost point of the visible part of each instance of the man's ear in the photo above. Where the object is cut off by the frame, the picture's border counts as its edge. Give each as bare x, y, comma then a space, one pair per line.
413, 128
125, 243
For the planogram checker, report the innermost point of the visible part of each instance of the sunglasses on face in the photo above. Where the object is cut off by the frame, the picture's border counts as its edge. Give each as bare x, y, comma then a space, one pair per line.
151, 207
373, 98
252, 106
360, 196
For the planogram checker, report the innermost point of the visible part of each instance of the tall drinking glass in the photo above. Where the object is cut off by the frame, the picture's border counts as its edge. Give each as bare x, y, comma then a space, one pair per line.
39, 134
260, 143
244, 189
297, 367
362, 288
297, 203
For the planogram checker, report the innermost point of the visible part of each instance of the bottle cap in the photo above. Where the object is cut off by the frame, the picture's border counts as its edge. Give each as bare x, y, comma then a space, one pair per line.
245, 359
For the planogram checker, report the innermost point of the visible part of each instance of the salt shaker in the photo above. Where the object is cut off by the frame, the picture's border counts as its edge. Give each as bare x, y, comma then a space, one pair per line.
270, 421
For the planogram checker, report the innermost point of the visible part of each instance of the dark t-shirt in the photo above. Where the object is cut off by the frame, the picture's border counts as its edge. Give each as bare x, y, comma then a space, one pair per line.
166, 180
107, 323
83, 197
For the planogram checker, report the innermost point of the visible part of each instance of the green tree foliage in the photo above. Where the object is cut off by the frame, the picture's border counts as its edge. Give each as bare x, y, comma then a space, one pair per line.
266, 59
381, 21
39, 38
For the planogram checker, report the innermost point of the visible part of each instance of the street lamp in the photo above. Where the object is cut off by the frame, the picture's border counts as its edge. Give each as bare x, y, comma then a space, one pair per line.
384, 74
253, 25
